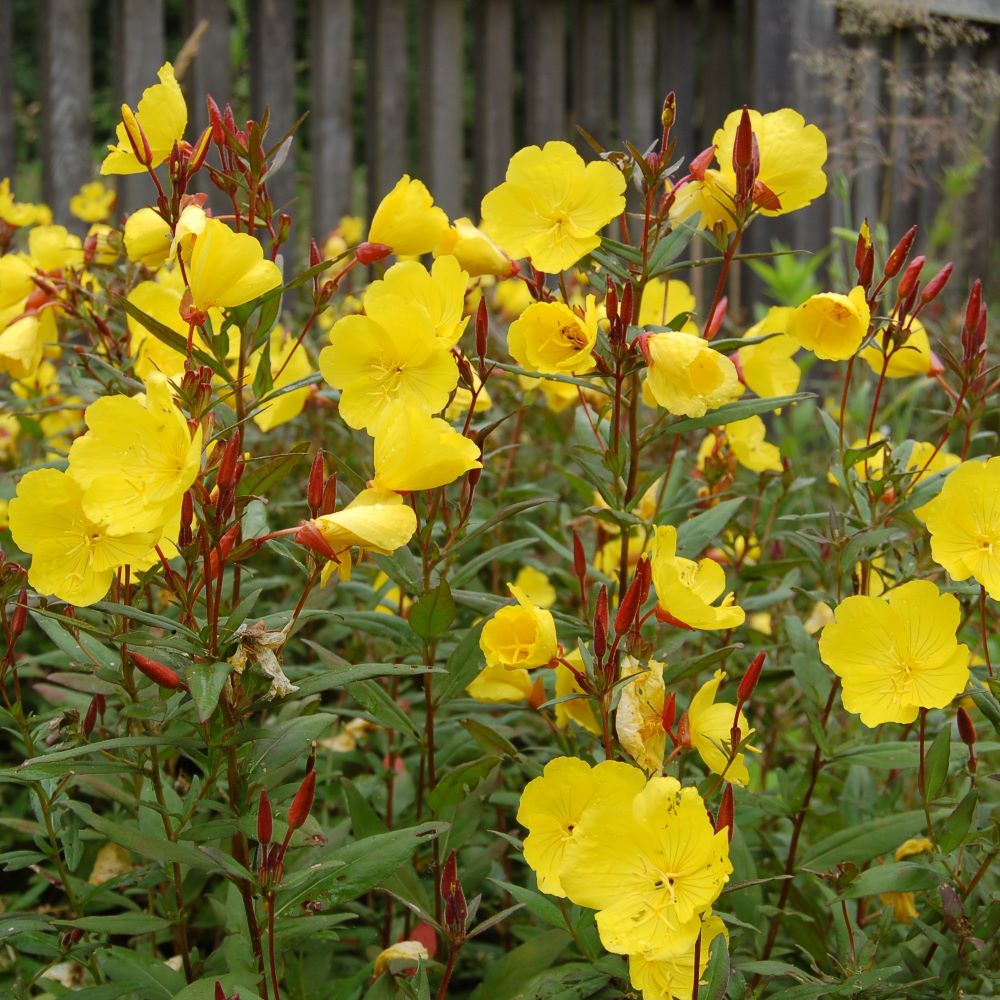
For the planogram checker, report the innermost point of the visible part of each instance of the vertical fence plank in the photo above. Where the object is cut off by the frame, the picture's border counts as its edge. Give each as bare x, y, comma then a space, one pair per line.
6, 89
676, 47
641, 100
331, 152
868, 153
441, 131
494, 63
206, 26
592, 65
137, 39
898, 174
272, 83
65, 91
386, 98
545, 72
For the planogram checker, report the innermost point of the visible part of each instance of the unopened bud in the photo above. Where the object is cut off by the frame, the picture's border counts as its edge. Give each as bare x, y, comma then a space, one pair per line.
199, 152
90, 719
715, 322
536, 697
629, 606
701, 163
726, 816
303, 801
265, 821
158, 673
329, 504
867, 272
684, 732
668, 113
455, 908
482, 329
900, 252
743, 157
215, 120
312, 538
966, 730
601, 623
625, 310
18, 618
579, 557
972, 308
933, 287
669, 712
861, 247
611, 302
745, 691
220, 993
908, 283
220, 553
371, 253
314, 493
136, 137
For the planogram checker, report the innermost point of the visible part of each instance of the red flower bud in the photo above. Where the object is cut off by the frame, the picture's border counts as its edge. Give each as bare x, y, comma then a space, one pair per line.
701, 163
220, 993
455, 909
315, 256
303, 801
199, 152
601, 623
908, 283
745, 691
626, 307
765, 198
214, 120
329, 504
900, 252
933, 287
974, 303
221, 552
966, 730
611, 302
265, 822
867, 271
715, 323
312, 538
314, 495
537, 696
90, 719
579, 557
18, 618
684, 732
482, 329
158, 673
669, 711
629, 607
371, 253
727, 809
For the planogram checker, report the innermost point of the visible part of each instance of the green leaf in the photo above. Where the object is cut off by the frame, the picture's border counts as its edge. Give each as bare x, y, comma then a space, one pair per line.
507, 977
171, 338
862, 842
673, 244
936, 763
261, 478
288, 742
729, 413
340, 676
377, 703
131, 924
537, 904
206, 681
459, 783
204, 989
952, 832
717, 973
694, 534
465, 662
434, 612
900, 876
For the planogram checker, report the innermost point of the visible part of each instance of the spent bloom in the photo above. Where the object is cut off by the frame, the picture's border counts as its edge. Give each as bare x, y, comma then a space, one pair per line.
964, 522
831, 325
686, 590
897, 653
904, 904
519, 636
552, 205
161, 115
550, 337
639, 716
710, 724
686, 377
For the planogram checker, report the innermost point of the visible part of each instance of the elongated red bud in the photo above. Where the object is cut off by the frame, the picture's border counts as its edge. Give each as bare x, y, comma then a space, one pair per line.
715, 323
199, 152
18, 618
900, 252
611, 302
215, 120
303, 801
226, 476
220, 993
158, 673
908, 283
371, 253
90, 719
329, 504
579, 557
221, 552
312, 538
601, 623
867, 271
743, 158
265, 820
861, 247
966, 729
764, 197
136, 137
482, 329
315, 254
750, 678
629, 606
311, 759
456, 910
973, 306
933, 287
701, 163
625, 308
317, 476
669, 712
727, 809
644, 571
684, 731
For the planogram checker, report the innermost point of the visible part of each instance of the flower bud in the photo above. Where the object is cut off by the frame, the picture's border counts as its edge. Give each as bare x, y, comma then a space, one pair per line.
90, 719
966, 730
312, 538
726, 814
315, 254
669, 712
199, 152
973, 306
329, 504
611, 303
764, 197
455, 908
900, 252
579, 557
303, 801
158, 673
862, 246
867, 271
601, 623
701, 163
715, 323
536, 697
220, 993
18, 618
482, 329
629, 606
745, 691
933, 287
371, 253
214, 120
908, 283
265, 821
625, 309
684, 732
743, 157
668, 114
314, 493
136, 137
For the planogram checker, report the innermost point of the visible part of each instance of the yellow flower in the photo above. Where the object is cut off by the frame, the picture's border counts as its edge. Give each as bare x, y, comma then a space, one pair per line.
671, 977
376, 520
399, 956
151, 354
577, 709
904, 904
21, 213
831, 325
391, 600
408, 220
495, 683
550, 337
10, 428
752, 451
820, 615
102, 244
21, 347
912, 358
348, 233
792, 155
651, 871
440, 291
536, 586
964, 522
552, 205
912, 847
768, 368
476, 252
54, 248
519, 636
227, 268
147, 238
512, 297
553, 806
74, 557
711, 725
16, 284
897, 653
136, 460
291, 359
926, 461
645, 509
162, 116
93, 202
639, 716
663, 302
685, 376
686, 589
390, 355
414, 451
462, 400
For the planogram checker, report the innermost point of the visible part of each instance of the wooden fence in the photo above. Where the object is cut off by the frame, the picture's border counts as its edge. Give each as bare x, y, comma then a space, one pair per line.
451, 87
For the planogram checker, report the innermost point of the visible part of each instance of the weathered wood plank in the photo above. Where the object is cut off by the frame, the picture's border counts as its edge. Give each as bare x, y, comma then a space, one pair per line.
676, 46
6, 89
64, 73
494, 127
386, 158
272, 83
592, 62
441, 131
545, 72
138, 44
640, 98
331, 152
